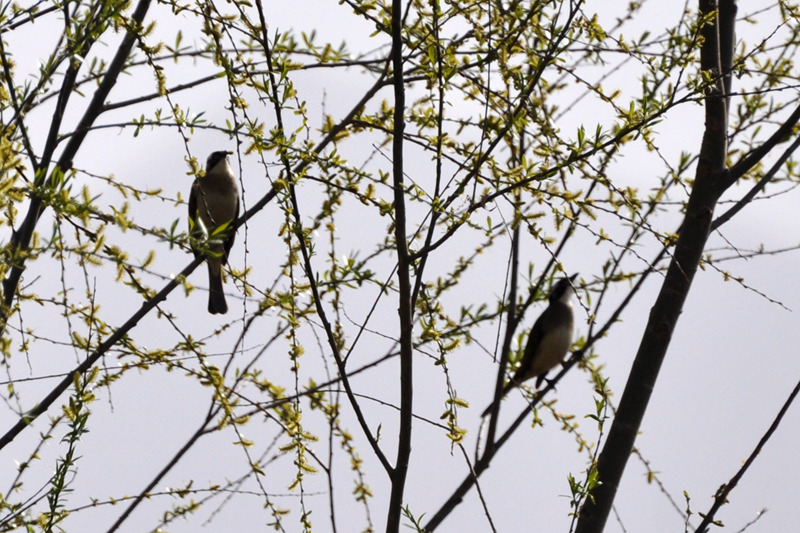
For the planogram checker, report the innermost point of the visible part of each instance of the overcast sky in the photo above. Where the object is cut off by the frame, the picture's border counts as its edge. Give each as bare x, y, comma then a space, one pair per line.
731, 364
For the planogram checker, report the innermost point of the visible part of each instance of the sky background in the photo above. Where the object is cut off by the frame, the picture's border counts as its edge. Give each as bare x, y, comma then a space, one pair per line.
731, 365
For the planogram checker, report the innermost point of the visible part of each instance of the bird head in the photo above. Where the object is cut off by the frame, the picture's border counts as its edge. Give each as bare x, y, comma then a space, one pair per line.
215, 158
562, 290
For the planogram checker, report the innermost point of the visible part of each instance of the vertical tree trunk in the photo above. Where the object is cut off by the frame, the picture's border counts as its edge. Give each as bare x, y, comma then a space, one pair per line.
405, 305
708, 186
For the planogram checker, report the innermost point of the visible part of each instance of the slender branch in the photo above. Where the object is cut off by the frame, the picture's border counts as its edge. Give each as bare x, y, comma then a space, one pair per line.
435, 211
29, 15
483, 463
404, 265
21, 239
758, 187
340, 363
512, 321
19, 115
754, 157
112, 340
722, 494
145, 493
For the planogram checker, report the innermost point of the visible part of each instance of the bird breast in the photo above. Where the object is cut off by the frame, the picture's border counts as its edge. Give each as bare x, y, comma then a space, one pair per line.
552, 349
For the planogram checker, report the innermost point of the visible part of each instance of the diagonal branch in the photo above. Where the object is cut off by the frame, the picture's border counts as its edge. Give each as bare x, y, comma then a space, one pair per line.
485, 460
21, 238
722, 494
332, 343
753, 158
758, 187
101, 350
692, 237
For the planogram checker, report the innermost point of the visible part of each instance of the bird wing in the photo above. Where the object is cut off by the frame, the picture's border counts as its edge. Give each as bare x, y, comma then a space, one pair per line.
534, 339
193, 211
228, 244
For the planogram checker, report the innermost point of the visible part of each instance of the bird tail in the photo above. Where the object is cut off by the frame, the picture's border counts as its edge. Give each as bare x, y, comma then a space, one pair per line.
216, 296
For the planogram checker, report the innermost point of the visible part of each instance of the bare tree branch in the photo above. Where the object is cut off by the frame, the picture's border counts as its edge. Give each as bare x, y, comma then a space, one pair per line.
22, 237
688, 251
721, 497
405, 308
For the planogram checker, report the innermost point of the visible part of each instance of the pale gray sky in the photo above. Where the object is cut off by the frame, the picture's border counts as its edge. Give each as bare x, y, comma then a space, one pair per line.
730, 367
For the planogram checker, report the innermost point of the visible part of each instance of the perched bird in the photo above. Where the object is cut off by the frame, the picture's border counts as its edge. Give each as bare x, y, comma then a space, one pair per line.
549, 339
213, 206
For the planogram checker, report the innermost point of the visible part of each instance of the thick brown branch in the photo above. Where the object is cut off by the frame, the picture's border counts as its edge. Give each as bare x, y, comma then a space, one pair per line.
483, 463
665, 312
